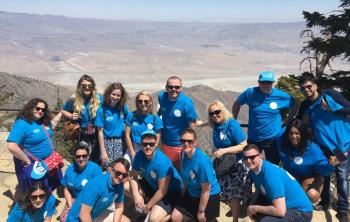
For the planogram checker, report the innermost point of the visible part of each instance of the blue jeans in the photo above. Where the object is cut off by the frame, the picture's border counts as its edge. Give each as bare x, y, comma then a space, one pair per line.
270, 149
342, 175
292, 215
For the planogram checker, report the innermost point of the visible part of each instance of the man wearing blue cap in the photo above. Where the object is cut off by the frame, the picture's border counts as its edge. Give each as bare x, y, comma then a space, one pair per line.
265, 120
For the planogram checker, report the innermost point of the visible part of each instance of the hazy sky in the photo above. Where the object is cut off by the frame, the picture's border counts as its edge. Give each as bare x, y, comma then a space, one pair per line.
175, 10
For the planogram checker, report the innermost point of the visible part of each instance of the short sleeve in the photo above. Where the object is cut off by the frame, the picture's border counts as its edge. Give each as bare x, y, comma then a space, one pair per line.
237, 133
163, 171
90, 194
158, 123
51, 209
243, 97
274, 187
99, 117
191, 114
16, 214
69, 105
136, 161
17, 134
205, 172
120, 197
129, 119
64, 181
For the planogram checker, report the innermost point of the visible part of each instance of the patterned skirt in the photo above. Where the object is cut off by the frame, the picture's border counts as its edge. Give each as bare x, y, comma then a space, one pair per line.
237, 185
115, 148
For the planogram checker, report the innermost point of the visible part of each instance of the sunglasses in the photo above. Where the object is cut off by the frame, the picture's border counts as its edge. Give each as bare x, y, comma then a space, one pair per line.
148, 144
302, 88
86, 86
214, 113
118, 173
39, 108
146, 102
190, 142
251, 158
173, 87
265, 82
84, 156
35, 197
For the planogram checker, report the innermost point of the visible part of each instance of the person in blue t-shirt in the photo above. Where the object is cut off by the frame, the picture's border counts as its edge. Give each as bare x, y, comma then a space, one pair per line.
37, 205
161, 184
96, 199
281, 198
30, 139
110, 122
77, 176
326, 114
265, 120
82, 107
139, 121
201, 200
304, 159
178, 113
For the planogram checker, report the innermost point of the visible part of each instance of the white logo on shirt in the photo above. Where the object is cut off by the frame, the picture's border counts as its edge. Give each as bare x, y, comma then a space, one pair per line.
83, 182
105, 199
177, 113
298, 160
135, 123
36, 131
153, 174
273, 105
109, 118
149, 126
45, 214
222, 135
192, 175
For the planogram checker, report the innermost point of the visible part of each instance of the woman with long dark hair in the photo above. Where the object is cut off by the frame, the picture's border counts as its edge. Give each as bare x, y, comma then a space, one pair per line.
110, 123
30, 139
82, 107
38, 205
304, 159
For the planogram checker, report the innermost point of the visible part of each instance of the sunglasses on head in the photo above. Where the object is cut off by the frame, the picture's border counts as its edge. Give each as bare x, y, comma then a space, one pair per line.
148, 144
251, 158
86, 86
190, 142
39, 108
173, 87
146, 101
40, 196
118, 173
216, 112
84, 156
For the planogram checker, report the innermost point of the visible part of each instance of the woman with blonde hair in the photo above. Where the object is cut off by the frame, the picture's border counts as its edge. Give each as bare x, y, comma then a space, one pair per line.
82, 106
140, 120
229, 138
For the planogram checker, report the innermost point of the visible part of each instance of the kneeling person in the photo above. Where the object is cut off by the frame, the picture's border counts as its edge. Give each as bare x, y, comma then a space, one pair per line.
160, 182
95, 200
284, 198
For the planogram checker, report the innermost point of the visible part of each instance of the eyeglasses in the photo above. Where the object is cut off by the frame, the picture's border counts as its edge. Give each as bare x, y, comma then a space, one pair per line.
86, 86
118, 173
146, 102
148, 144
84, 156
251, 158
216, 112
35, 197
190, 142
39, 108
173, 87
265, 82
302, 88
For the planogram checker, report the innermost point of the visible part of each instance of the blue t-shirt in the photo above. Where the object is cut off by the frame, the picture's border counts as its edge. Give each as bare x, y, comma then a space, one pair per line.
312, 161
331, 130
75, 180
31, 136
176, 116
98, 194
111, 120
85, 119
228, 134
265, 120
156, 169
140, 123
39, 215
197, 170
274, 182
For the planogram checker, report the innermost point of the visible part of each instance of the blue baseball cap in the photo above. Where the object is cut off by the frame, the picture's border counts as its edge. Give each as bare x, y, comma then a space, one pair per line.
266, 76
148, 132
39, 170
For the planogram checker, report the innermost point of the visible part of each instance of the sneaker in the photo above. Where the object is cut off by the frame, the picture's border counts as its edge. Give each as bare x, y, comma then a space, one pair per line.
321, 207
342, 217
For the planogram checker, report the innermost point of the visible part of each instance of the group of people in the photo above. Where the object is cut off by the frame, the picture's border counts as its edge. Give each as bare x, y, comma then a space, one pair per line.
289, 161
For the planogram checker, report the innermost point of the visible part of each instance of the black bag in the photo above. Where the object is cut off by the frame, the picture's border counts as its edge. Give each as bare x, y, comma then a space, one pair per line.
224, 164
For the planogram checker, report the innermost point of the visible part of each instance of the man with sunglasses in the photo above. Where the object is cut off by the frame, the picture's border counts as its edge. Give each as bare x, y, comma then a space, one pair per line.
95, 201
325, 112
178, 113
265, 120
160, 184
280, 196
